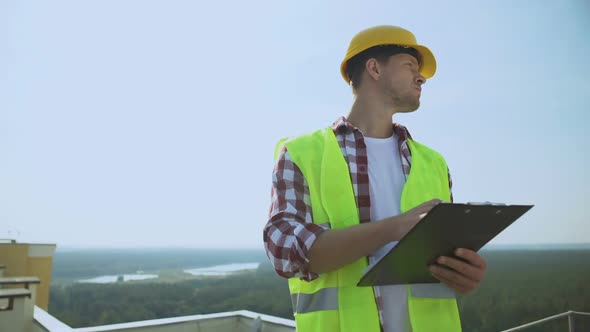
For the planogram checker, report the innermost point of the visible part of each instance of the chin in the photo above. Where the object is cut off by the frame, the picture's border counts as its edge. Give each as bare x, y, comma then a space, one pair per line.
406, 105
410, 108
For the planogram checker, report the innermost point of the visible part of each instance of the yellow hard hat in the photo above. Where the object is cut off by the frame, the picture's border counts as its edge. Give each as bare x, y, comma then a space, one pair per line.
388, 35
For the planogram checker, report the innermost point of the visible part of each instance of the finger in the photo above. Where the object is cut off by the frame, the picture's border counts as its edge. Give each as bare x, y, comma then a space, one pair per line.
453, 276
426, 206
458, 288
462, 289
472, 257
472, 272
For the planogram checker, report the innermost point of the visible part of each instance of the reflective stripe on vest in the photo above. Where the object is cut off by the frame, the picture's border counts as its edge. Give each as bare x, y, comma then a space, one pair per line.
324, 299
433, 291
332, 302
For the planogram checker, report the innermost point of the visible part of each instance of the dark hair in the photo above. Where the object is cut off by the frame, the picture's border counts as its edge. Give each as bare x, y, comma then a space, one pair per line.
356, 65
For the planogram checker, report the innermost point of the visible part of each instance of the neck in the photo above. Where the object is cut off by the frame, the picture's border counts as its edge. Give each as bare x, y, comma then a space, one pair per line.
372, 116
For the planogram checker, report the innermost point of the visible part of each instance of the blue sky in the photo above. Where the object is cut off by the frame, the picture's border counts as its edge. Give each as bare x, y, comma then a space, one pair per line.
153, 123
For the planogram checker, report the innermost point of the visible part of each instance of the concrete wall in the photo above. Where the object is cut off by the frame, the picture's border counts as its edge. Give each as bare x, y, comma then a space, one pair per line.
19, 318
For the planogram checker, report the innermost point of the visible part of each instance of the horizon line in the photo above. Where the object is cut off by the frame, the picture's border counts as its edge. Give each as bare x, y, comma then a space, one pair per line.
169, 247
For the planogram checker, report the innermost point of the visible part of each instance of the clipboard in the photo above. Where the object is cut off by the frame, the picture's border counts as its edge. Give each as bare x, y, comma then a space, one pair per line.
446, 227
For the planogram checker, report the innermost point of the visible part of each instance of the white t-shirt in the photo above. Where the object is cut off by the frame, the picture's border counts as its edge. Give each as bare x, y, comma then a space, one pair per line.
386, 182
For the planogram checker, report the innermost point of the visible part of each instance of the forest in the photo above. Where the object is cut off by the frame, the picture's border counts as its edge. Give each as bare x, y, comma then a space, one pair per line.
520, 286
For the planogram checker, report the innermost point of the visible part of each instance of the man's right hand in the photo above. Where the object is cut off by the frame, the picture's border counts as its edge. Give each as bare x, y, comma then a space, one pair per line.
403, 223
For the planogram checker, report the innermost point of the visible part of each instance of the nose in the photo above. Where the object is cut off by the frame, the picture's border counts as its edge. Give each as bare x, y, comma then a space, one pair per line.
420, 79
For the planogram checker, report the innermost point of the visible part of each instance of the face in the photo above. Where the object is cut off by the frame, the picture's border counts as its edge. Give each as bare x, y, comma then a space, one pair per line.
401, 83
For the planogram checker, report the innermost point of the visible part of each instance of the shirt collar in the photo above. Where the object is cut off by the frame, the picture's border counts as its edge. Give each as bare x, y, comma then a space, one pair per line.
343, 126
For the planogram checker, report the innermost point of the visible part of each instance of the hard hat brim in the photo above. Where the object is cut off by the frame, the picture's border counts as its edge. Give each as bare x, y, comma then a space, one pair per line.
427, 69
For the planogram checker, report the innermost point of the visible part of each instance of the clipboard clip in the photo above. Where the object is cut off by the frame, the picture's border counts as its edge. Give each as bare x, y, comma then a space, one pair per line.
487, 203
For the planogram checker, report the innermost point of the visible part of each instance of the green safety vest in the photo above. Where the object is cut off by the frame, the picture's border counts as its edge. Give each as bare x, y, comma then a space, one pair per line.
333, 302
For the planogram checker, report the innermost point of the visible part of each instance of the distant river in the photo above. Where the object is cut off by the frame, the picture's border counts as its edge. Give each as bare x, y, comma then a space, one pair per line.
217, 270
222, 270
113, 279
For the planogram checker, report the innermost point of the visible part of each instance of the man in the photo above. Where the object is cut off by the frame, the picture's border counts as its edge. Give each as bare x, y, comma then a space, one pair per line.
344, 195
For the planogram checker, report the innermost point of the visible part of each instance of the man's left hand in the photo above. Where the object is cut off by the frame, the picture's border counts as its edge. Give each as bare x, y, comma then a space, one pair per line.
462, 276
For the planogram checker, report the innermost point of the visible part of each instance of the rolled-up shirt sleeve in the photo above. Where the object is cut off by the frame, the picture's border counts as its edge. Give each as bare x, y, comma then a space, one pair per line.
290, 232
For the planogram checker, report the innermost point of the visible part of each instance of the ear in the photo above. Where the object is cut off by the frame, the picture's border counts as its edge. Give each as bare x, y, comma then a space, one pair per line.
373, 69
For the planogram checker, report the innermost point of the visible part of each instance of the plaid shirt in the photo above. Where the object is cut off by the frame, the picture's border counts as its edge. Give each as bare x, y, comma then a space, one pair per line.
290, 231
